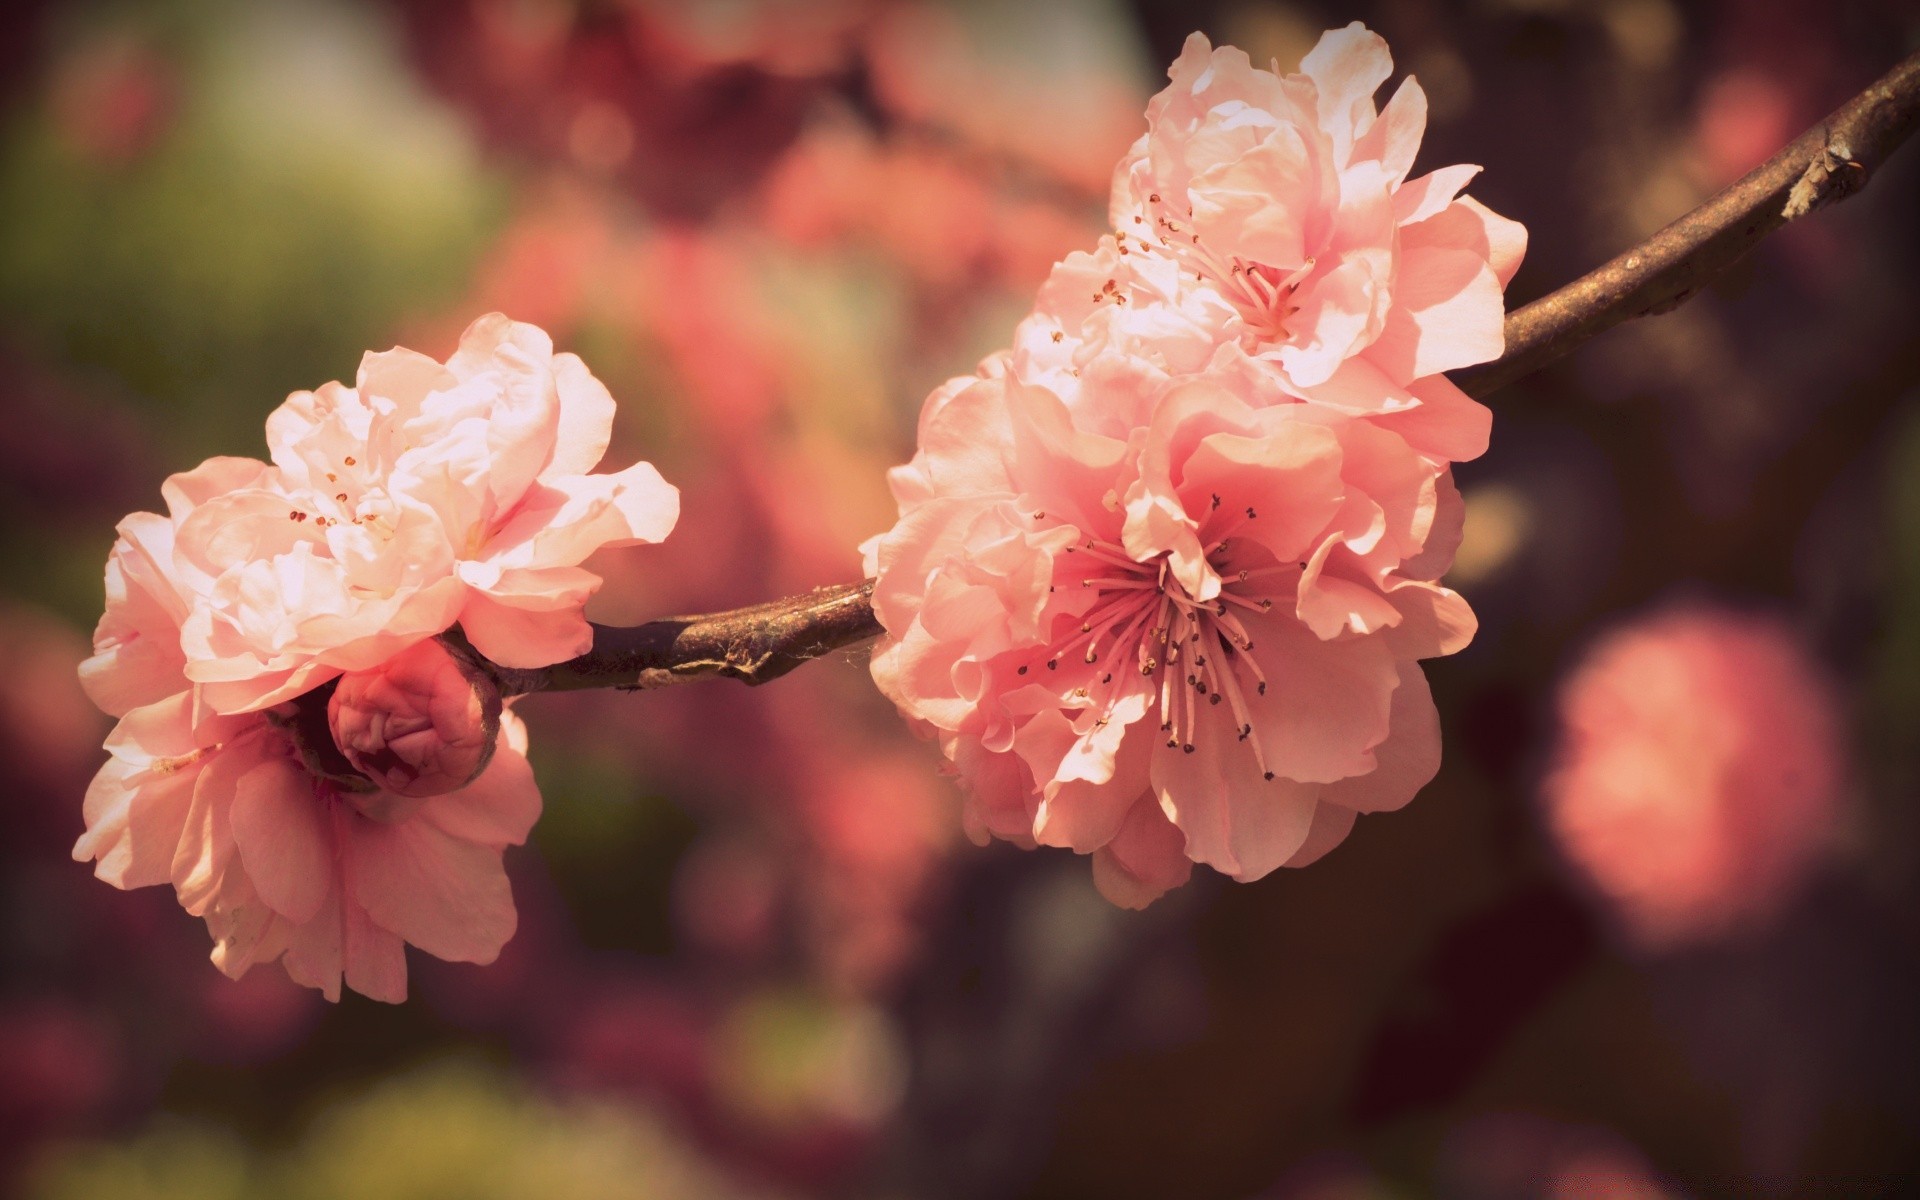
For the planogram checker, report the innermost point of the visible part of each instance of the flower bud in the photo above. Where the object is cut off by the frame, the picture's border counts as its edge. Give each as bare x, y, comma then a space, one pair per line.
420, 724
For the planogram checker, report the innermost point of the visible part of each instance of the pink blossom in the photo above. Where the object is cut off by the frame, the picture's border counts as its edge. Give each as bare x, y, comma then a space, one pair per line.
1164, 570
285, 865
280, 861
423, 723
1698, 771
429, 493
1193, 641
1265, 225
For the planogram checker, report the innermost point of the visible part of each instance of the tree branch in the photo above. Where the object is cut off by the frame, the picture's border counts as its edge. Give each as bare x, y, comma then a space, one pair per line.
753, 645
1827, 163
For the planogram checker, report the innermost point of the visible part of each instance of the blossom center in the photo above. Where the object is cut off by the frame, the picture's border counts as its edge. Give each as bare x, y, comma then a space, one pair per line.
1197, 654
1262, 294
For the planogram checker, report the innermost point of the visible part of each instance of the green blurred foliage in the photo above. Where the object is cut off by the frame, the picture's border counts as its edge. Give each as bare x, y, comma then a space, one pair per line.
303, 197
453, 1131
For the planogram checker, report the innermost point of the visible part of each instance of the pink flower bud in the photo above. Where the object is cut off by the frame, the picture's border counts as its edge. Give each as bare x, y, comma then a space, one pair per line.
423, 723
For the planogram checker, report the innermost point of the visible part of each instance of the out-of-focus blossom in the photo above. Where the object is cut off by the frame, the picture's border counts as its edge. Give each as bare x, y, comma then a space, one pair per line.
58, 1067
430, 493
873, 825
1163, 573
49, 734
927, 209
1516, 1156
112, 97
980, 73
1698, 771
253, 1019
423, 723
1744, 117
685, 111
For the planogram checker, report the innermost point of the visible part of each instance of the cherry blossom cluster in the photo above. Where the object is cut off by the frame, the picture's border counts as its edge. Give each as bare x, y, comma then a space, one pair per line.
427, 495
1165, 569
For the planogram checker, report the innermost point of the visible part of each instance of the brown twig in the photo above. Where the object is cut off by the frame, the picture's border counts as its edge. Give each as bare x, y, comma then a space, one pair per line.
753, 644
1825, 164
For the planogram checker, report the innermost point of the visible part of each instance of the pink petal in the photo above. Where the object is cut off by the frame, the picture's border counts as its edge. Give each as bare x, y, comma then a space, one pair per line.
1236, 820
1434, 620
137, 658
245, 931
962, 442
1429, 195
999, 792
1331, 824
133, 824
531, 618
315, 949
497, 809
1326, 704
446, 895
1084, 812
1505, 239
1401, 483
1288, 476
1447, 312
1394, 139
586, 419
280, 829
564, 520
1240, 201
1146, 859
1408, 759
1347, 67
1336, 598
1361, 389
1336, 316
402, 377
373, 960
1447, 424
1443, 535
206, 842
215, 477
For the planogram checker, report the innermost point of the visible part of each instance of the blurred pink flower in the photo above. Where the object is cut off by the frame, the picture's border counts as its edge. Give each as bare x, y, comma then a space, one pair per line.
1193, 640
427, 495
926, 207
112, 98
1513, 1155
979, 75
1698, 771
423, 723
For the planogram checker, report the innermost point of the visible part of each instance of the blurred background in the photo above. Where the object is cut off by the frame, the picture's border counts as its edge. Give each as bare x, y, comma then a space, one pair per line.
1653, 932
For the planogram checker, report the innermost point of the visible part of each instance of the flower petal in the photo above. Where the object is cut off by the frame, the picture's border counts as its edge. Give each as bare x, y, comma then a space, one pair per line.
446, 895
280, 829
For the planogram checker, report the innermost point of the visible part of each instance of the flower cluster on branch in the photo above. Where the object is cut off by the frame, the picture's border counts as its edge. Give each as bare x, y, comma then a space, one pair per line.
1164, 570
426, 494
